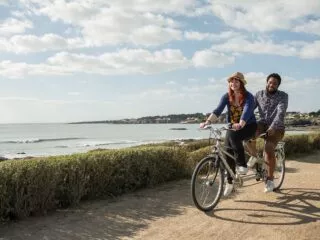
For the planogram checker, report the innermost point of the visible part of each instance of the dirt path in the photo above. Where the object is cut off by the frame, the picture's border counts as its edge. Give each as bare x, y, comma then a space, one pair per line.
167, 212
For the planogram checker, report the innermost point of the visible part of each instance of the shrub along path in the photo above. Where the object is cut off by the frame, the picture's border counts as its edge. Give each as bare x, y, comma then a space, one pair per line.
167, 212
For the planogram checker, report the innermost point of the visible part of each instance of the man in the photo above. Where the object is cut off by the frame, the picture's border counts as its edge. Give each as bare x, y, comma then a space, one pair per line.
272, 105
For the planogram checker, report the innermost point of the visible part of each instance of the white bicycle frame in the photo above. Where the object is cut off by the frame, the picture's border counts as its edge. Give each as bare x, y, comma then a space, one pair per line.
220, 150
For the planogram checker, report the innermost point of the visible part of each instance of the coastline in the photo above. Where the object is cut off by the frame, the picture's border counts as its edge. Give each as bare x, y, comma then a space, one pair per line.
290, 130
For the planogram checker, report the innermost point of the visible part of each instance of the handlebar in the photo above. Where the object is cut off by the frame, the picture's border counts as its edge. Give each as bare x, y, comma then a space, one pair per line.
217, 132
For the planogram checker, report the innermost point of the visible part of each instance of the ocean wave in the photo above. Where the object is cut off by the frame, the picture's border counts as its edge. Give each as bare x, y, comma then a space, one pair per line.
99, 144
37, 140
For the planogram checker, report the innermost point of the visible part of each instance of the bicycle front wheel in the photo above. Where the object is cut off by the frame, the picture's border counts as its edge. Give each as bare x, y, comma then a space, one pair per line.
279, 170
207, 184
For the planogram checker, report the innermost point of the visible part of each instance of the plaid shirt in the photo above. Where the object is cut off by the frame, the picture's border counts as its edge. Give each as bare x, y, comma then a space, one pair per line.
272, 108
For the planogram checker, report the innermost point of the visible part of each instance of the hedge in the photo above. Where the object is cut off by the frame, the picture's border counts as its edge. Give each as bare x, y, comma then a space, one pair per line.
41, 184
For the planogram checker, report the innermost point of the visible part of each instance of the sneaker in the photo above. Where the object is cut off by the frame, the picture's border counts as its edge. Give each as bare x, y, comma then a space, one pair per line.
269, 186
252, 161
228, 189
242, 170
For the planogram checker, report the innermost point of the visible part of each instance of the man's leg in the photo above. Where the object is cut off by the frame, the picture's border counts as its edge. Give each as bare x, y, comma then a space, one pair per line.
270, 158
269, 149
251, 146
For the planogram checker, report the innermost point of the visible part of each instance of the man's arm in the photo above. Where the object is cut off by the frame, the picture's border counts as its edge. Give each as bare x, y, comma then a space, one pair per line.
281, 112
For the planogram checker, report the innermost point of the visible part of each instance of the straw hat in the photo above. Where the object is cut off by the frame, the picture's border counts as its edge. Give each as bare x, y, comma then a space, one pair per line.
239, 76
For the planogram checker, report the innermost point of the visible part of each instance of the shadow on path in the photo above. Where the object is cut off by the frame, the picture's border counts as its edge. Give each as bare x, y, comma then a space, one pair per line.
307, 158
293, 206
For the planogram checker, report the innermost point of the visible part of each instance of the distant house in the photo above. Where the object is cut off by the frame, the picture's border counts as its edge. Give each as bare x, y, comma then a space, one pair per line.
162, 120
190, 120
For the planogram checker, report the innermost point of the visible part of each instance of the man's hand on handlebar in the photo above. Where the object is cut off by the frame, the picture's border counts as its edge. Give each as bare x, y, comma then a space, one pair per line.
271, 131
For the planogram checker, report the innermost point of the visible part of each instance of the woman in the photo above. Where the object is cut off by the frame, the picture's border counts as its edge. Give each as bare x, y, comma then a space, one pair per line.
240, 116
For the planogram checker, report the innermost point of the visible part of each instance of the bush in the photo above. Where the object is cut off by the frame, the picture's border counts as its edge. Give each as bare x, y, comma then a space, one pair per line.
194, 157
315, 141
297, 144
40, 184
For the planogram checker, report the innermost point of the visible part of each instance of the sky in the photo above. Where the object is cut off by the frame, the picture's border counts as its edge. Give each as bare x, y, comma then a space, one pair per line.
87, 60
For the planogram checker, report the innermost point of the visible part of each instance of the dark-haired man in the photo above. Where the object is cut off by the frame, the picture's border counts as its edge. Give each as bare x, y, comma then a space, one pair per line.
272, 105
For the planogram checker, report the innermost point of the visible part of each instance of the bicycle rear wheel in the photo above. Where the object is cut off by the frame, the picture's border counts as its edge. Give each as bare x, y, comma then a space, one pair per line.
207, 184
279, 170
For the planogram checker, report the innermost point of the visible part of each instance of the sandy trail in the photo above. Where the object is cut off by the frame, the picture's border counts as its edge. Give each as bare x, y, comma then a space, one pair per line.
167, 212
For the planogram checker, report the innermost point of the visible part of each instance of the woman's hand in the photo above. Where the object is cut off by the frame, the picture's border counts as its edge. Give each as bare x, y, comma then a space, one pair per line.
203, 124
236, 126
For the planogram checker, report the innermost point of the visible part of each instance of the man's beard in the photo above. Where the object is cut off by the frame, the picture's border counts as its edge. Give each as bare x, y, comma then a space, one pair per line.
273, 91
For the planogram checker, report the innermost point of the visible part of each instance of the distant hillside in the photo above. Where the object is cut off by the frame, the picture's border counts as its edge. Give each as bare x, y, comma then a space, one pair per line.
291, 119
172, 118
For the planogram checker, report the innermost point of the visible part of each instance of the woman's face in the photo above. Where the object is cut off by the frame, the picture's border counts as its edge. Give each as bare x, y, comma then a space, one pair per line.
234, 84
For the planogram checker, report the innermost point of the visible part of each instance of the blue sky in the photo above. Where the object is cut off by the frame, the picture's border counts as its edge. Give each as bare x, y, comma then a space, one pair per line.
63, 61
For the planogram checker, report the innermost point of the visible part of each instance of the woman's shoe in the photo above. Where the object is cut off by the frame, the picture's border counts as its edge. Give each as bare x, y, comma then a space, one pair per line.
242, 170
252, 161
228, 189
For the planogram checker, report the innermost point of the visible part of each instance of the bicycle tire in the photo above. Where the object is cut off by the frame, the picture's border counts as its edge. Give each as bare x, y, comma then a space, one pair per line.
208, 181
280, 168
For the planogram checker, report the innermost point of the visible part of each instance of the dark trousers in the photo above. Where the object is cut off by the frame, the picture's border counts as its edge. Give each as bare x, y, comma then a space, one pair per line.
233, 143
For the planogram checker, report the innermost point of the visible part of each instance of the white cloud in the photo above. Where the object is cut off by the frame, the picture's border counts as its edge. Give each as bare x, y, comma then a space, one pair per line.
69, 12
241, 44
165, 6
112, 27
11, 69
209, 58
311, 50
112, 23
154, 35
73, 93
3, 2
258, 46
312, 26
12, 26
193, 35
122, 62
157, 93
125, 61
193, 80
31, 43
171, 83
264, 15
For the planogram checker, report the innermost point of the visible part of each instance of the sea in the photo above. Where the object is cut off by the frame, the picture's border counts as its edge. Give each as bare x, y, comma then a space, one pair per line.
49, 139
